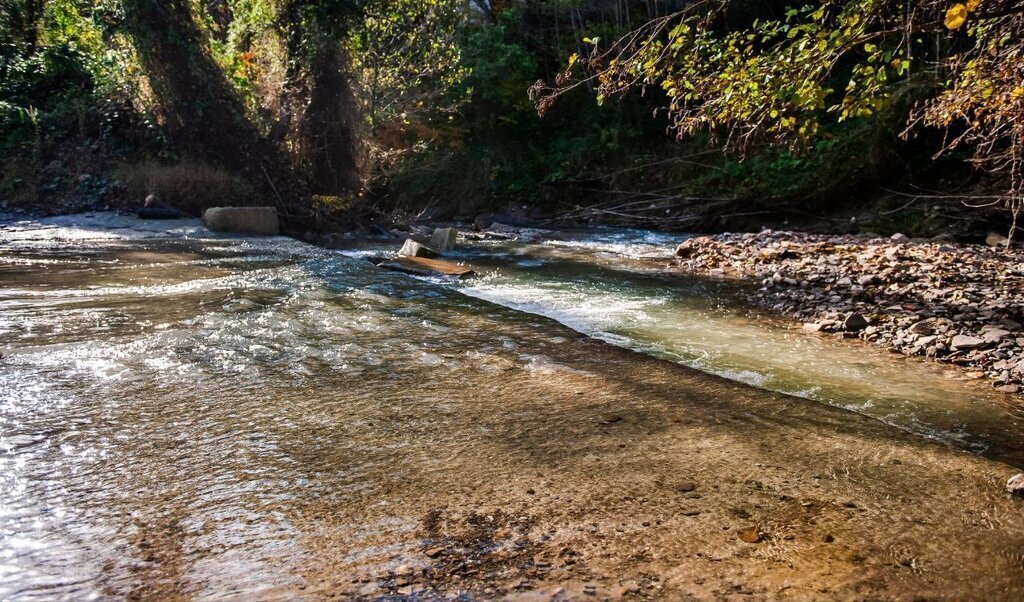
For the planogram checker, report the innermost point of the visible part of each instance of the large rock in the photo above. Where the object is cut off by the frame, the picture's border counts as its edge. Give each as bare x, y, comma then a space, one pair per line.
443, 240
254, 221
427, 267
685, 249
411, 248
996, 240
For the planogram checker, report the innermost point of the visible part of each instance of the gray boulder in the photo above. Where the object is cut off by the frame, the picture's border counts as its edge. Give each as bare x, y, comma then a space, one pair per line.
254, 221
443, 240
411, 248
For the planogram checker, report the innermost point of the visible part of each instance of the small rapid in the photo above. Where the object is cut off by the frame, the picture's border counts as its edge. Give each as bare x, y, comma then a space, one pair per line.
609, 284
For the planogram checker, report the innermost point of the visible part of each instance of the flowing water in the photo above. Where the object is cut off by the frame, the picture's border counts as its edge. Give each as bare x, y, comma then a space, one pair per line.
599, 283
190, 416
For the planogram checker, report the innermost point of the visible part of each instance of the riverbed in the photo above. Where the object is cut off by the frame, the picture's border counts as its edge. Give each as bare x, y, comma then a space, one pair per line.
186, 415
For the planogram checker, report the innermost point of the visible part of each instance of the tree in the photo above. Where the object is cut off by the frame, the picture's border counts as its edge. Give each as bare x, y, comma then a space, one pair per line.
202, 112
322, 133
407, 55
776, 79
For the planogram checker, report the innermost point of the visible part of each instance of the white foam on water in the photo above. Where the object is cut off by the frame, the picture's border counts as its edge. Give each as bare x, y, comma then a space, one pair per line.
102, 225
362, 253
636, 244
580, 310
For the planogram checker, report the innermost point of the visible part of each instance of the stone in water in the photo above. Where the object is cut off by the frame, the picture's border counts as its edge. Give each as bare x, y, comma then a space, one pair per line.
411, 248
443, 240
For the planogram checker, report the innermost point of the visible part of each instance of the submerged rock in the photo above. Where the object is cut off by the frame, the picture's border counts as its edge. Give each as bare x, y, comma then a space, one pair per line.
424, 266
750, 535
254, 221
153, 208
159, 213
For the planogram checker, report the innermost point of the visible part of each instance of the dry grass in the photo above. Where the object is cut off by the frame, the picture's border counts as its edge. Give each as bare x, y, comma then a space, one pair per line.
186, 185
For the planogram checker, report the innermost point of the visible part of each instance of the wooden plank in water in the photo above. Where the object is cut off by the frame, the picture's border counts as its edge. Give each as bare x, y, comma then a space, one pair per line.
427, 267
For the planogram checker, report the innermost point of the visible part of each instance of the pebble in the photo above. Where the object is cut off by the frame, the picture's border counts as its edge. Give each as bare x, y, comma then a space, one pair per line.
750, 535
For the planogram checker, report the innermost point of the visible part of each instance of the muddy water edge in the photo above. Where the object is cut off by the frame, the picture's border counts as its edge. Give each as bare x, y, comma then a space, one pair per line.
183, 416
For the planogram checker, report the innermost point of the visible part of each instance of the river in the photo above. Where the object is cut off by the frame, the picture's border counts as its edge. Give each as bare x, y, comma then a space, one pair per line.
184, 415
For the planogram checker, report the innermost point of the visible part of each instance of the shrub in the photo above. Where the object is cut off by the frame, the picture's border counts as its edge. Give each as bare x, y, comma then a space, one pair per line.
186, 185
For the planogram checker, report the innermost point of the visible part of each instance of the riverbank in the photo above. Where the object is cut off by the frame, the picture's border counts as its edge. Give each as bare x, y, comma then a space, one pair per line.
960, 304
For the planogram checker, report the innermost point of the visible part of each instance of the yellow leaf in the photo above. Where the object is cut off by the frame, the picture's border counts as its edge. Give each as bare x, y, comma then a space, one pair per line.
973, 4
572, 59
955, 16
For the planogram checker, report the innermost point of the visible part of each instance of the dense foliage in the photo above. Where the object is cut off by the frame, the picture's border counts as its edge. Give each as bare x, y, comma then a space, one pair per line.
780, 74
422, 105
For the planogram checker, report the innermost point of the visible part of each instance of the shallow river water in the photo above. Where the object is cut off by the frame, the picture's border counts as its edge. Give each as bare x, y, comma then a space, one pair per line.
610, 284
191, 416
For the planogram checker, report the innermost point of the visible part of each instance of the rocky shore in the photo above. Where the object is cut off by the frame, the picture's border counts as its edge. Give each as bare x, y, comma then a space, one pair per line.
962, 304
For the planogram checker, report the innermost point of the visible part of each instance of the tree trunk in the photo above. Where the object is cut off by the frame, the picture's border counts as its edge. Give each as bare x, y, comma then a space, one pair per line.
323, 115
200, 111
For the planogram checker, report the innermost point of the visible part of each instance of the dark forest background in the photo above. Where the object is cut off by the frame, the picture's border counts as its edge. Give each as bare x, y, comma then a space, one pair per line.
351, 112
